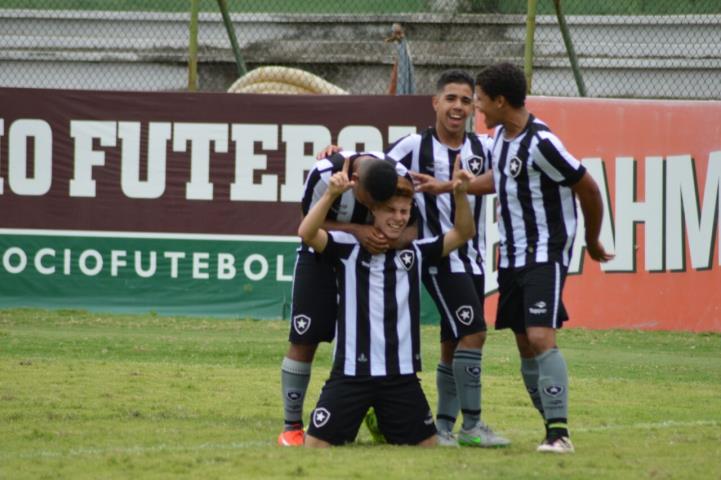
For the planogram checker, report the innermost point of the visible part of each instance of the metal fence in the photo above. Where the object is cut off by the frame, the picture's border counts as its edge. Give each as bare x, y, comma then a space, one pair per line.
631, 48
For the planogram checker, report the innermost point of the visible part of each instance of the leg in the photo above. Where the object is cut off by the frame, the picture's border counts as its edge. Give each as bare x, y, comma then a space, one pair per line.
313, 316
294, 379
312, 442
448, 406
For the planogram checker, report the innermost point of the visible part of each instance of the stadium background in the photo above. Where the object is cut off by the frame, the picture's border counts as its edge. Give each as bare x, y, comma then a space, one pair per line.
631, 50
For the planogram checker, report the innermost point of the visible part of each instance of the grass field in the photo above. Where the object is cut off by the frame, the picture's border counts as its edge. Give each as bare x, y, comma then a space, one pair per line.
87, 395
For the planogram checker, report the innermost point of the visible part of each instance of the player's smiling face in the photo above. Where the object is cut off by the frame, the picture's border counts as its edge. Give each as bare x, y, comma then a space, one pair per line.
453, 105
391, 217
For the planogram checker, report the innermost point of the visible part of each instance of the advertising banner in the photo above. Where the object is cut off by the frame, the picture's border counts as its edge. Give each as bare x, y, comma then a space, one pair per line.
181, 203
173, 203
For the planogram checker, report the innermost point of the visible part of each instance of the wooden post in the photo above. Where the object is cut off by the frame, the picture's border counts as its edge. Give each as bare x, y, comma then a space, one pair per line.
240, 67
193, 47
530, 33
569, 48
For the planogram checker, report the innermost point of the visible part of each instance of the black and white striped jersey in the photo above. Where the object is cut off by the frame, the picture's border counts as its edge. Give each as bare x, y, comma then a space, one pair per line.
346, 208
378, 328
423, 152
533, 175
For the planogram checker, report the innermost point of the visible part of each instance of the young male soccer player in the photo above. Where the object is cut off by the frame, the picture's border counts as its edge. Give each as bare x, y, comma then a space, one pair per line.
456, 284
313, 312
378, 332
537, 182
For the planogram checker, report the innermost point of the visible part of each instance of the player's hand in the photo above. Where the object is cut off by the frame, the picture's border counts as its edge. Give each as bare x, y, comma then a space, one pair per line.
597, 252
372, 239
327, 152
461, 178
429, 184
339, 181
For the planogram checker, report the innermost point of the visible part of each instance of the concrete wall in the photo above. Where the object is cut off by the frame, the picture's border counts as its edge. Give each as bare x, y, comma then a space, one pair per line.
667, 56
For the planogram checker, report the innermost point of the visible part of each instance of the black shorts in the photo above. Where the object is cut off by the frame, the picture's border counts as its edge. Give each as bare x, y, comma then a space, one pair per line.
531, 297
459, 300
404, 416
315, 300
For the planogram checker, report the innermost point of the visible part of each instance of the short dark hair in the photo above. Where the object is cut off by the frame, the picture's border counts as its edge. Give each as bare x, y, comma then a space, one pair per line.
504, 79
379, 178
454, 76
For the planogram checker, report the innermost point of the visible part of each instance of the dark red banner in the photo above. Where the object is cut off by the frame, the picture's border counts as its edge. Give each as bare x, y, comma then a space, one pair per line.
178, 162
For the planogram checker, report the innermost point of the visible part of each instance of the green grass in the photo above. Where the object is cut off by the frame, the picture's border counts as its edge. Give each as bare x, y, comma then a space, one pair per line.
86, 395
630, 7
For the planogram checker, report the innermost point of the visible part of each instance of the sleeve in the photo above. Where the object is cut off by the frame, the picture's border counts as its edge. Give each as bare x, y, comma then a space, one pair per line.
312, 190
402, 150
340, 245
553, 159
430, 249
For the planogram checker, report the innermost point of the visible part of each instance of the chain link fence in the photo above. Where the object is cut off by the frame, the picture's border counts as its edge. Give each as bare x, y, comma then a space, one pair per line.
631, 48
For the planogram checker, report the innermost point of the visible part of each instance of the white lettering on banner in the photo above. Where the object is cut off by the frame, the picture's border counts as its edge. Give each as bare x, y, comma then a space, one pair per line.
83, 262
18, 135
226, 266
154, 184
297, 162
44, 252
84, 157
280, 276
152, 264
248, 267
91, 263
362, 138
174, 258
200, 135
682, 205
246, 162
298, 140
7, 260
200, 263
117, 260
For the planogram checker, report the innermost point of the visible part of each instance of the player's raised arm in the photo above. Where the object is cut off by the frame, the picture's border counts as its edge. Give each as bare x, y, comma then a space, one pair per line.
310, 230
463, 227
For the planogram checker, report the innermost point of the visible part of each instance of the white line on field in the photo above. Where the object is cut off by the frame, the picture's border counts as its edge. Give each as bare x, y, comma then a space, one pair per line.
140, 449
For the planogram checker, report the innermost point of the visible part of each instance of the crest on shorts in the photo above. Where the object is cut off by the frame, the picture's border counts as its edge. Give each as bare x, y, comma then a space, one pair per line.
474, 372
475, 164
301, 323
554, 390
464, 314
407, 258
515, 166
320, 417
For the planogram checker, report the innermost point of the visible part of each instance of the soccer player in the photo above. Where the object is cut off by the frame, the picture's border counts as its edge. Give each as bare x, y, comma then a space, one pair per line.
537, 182
314, 296
377, 350
456, 284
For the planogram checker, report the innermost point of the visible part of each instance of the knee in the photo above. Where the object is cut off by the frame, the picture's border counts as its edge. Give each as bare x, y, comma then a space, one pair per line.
472, 341
302, 353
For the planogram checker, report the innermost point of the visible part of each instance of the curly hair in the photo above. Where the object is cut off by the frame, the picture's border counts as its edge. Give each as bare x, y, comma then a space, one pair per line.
503, 79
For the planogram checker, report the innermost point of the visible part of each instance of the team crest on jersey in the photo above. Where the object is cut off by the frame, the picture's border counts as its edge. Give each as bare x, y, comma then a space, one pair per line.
301, 324
475, 164
464, 314
554, 390
474, 372
320, 417
515, 166
407, 258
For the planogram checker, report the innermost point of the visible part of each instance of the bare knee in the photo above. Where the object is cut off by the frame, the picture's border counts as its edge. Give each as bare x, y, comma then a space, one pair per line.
302, 353
313, 442
431, 441
472, 341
